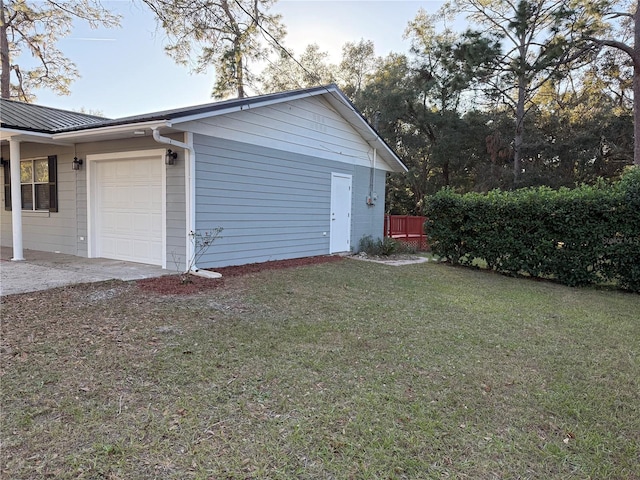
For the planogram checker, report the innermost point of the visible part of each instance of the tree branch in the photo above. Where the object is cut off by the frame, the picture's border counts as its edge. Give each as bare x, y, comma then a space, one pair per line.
614, 44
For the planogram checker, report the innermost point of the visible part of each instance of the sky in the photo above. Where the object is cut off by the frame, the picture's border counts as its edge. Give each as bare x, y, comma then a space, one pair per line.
124, 71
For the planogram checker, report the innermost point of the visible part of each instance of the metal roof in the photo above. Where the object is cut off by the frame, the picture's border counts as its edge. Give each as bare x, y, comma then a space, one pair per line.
36, 118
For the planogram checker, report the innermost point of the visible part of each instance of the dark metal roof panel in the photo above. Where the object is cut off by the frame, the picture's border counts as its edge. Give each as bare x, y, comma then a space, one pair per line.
36, 118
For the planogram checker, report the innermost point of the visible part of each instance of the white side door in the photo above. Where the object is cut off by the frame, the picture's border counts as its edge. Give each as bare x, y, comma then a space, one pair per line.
340, 230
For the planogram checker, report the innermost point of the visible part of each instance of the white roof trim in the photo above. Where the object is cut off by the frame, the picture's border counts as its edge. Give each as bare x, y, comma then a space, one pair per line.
345, 108
7, 134
263, 103
111, 130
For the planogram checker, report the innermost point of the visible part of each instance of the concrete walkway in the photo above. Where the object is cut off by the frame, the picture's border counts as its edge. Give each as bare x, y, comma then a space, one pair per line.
44, 270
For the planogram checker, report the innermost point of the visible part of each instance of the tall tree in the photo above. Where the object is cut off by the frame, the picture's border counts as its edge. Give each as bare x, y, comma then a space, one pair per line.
610, 24
226, 34
384, 101
533, 53
446, 65
34, 27
311, 69
357, 65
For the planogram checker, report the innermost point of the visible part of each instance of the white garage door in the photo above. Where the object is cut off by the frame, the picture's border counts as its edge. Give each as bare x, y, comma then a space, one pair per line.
128, 209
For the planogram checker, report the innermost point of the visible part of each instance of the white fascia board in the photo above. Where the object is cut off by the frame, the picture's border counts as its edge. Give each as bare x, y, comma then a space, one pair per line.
344, 107
110, 130
34, 137
239, 108
216, 113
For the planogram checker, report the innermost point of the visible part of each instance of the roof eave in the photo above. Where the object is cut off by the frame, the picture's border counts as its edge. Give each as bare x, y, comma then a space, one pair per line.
95, 133
373, 138
250, 104
7, 134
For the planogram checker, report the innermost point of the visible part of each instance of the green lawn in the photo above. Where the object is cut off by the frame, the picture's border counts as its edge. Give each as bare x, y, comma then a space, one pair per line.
341, 370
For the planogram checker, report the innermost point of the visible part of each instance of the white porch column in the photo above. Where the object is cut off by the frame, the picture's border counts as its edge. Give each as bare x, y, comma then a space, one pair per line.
16, 199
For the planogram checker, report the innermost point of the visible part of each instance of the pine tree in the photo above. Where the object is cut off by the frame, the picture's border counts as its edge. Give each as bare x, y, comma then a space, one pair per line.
225, 34
34, 27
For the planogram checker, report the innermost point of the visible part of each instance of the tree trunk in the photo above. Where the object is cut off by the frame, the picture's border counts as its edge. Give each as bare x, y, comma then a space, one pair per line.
239, 68
636, 87
5, 64
636, 115
518, 139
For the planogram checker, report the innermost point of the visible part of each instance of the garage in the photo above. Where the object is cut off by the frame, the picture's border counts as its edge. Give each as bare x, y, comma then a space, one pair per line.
127, 211
287, 175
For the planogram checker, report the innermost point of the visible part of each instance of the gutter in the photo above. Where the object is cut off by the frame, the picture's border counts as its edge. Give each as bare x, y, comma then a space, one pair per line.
190, 184
29, 136
75, 135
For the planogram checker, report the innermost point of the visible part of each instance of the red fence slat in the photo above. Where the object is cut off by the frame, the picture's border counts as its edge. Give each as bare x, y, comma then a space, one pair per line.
406, 228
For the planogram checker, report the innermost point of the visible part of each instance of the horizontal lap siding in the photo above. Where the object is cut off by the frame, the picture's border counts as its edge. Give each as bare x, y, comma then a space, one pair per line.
66, 231
368, 220
271, 204
308, 127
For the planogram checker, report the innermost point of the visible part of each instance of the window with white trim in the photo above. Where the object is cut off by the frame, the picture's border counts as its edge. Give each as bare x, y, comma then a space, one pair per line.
38, 185
34, 184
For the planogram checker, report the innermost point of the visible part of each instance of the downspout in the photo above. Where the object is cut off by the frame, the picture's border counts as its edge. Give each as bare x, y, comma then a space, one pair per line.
190, 185
374, 195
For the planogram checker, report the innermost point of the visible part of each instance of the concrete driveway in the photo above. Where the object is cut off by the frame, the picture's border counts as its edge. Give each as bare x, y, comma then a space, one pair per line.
44, 270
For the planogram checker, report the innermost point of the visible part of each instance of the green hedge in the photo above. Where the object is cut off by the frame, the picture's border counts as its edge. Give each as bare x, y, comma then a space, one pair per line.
580, 236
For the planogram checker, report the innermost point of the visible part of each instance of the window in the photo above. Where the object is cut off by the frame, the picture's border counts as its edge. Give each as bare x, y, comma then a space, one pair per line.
38, 186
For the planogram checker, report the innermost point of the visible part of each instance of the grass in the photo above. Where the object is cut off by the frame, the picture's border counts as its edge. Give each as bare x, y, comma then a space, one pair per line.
342, 370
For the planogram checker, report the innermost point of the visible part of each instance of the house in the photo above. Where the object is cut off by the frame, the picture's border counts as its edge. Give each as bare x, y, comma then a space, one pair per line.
286, 175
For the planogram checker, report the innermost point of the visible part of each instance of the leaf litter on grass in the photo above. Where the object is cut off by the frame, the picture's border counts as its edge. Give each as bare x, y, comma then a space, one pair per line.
337, 370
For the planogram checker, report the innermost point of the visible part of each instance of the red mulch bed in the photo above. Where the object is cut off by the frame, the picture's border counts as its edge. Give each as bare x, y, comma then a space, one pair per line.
172, 284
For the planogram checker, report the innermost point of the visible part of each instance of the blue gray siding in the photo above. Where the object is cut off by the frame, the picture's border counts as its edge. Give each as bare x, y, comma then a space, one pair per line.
367, 219
176, 216
272, 204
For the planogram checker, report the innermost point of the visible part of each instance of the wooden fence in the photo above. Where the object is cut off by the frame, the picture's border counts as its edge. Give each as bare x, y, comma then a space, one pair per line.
407, 229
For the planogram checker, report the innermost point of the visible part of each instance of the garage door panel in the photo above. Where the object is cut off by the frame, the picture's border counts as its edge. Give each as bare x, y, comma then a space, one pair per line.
108, 247
145, 247
141, 196
142, 224
156, 222
123, 247
129, 207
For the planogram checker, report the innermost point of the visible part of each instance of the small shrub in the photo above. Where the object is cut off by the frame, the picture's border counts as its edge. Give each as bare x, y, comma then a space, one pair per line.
380, 246
369, 246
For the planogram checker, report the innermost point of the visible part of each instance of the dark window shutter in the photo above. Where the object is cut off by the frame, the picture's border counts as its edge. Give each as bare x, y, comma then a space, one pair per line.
7, 186
53, 183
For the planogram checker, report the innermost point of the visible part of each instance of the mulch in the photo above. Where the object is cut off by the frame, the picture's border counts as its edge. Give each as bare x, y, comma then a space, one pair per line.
173, 284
